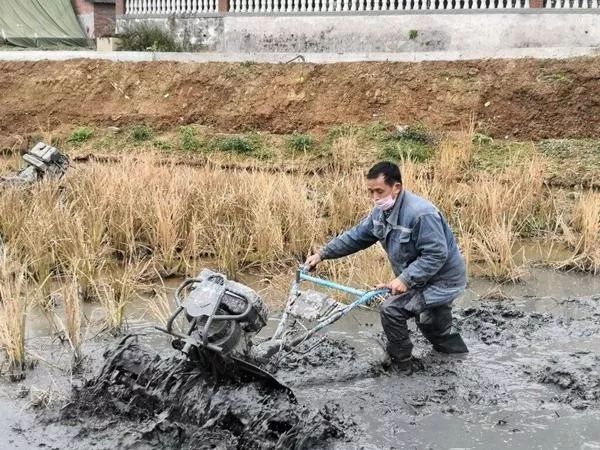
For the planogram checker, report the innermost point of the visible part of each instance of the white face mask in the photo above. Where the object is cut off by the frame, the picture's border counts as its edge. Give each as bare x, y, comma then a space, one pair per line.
385, 203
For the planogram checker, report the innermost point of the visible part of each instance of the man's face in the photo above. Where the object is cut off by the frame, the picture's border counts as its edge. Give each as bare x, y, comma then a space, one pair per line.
378, 188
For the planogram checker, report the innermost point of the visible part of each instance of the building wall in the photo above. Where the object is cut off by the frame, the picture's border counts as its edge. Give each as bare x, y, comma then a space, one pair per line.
96, 18
83, 6
411, 32
84, 9
104, 19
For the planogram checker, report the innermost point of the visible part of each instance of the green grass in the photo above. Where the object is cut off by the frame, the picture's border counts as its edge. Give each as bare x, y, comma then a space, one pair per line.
481, 139
301, 143
497, 155
558, 77
236, 144
405, 149
414, 143
339, 131
142, 133
80, 135
241, 145
417, 133
162, 145
572, 160
190, 142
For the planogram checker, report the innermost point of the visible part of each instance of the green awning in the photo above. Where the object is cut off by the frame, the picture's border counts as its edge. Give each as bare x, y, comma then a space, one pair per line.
40, 23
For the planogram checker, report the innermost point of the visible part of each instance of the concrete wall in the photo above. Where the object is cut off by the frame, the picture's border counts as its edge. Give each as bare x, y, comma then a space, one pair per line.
411, 32
195, 33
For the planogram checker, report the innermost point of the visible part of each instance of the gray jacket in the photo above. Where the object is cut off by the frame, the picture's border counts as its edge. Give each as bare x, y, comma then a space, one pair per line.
419, 244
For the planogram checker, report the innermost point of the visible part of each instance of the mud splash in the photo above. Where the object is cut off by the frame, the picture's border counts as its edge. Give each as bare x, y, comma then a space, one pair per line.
182, 406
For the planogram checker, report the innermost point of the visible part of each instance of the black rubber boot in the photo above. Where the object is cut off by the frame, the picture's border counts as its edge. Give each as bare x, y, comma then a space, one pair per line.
436, 326
451, 343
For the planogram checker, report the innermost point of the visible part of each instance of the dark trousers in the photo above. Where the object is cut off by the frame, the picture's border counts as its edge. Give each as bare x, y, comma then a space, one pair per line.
434, 322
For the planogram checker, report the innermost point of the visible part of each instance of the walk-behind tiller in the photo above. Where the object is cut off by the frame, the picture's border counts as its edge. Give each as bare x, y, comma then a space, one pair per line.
224, 317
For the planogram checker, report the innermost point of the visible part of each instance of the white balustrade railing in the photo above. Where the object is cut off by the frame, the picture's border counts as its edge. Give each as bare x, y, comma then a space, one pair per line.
169, 7
571, 4
321, 6
148, 7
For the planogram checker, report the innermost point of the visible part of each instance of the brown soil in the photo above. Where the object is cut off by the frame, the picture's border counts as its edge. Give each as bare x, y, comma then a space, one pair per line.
531, 99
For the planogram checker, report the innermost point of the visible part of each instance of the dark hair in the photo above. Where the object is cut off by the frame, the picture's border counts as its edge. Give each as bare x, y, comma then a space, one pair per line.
389, 170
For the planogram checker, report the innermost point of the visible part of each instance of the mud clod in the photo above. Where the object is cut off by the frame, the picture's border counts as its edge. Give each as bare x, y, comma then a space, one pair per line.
577, 377
182, 406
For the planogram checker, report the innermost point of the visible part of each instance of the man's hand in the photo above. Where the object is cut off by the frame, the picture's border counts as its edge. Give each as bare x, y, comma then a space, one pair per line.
313, 260
396, 286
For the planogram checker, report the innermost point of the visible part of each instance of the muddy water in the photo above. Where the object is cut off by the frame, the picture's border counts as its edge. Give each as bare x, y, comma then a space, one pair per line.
531, 380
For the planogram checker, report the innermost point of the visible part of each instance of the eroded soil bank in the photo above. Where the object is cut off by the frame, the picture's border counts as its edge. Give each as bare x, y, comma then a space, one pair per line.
527, 99
532, 377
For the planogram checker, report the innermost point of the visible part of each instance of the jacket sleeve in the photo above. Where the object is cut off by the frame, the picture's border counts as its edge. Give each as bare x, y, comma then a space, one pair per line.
351, 241
432, 250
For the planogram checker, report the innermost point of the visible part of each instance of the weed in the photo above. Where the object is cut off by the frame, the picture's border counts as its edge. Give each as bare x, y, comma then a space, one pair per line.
189, 139
412, 35
80, 135
378, 131
301, 142
413, 143
480, 139
236, 144
148, 37
172, 217
341, 131
263, 154
142, 133
558, 77
163, 145
241, 145
417, 133
402, 149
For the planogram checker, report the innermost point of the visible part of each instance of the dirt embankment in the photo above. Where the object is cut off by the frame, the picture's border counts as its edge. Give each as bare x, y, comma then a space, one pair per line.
529, 99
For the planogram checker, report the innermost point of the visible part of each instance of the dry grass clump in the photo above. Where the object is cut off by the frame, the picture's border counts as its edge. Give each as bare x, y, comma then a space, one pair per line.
115, 290
70, 294
583, 233
14, 304
341, 200
495, 245
454, 156
346, 153
170, 215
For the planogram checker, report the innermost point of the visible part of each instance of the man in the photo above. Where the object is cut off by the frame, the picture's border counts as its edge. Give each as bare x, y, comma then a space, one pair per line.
429, 268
